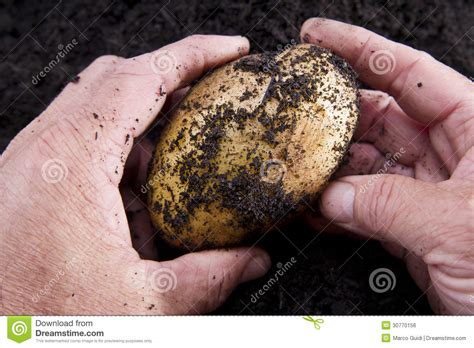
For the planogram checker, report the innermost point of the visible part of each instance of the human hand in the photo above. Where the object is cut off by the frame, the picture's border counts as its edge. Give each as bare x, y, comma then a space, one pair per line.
419, 199
65, 240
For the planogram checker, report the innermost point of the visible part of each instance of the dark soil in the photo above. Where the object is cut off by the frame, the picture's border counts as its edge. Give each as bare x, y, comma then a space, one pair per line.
331, 273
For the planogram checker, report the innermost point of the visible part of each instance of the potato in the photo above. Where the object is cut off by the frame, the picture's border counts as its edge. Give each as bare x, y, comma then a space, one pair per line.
251, 145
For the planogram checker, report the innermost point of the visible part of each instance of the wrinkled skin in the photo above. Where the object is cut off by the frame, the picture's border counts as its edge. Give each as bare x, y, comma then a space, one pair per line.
78, 236
421, 207
66, 245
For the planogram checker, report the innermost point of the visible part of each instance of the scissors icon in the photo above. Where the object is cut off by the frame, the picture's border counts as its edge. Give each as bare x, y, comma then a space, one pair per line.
316, 322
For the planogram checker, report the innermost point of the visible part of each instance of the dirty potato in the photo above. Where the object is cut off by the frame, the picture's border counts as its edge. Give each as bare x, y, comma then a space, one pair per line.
250, 145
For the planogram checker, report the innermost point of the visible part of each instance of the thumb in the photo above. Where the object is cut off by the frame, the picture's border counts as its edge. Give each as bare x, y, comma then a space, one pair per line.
204, 280
386, 207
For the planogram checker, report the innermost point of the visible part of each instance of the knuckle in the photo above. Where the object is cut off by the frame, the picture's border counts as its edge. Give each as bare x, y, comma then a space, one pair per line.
384, 201
103, 65
390, 104
193, 45
124, 67
106, 60
196, 37
422, 55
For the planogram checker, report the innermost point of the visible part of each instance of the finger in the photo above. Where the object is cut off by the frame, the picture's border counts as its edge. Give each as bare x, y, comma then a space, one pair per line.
204, 280
465, 169
414, 78
111, 110
454, 286
143, 234
429, 167
118, 98
415, 264
389, 208
131, 97
438, 306
182, 62
366, 159
133, 189
135, 172
133, 186
139, 223
418, 270
139, 227
144, 81
384, 124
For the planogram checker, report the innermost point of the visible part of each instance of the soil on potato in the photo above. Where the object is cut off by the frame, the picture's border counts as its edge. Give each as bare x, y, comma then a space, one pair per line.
330, 273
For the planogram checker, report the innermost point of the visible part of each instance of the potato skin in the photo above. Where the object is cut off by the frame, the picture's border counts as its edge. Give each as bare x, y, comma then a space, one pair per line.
250, 145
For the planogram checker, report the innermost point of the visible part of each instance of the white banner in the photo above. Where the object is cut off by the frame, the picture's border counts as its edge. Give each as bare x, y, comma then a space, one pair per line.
238, 331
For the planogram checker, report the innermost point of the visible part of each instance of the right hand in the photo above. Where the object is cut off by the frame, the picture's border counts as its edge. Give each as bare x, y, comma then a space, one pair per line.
422, 207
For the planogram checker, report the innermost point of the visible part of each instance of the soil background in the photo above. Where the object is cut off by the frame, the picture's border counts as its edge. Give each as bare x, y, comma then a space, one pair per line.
331, 273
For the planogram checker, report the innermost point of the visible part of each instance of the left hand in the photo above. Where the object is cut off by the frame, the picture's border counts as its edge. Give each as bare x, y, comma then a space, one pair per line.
65, 239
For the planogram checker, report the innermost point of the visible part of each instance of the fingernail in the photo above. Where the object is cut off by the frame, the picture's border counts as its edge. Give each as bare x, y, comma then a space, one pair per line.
241, 38
244, 48
337, 201
308, 29
257, 267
